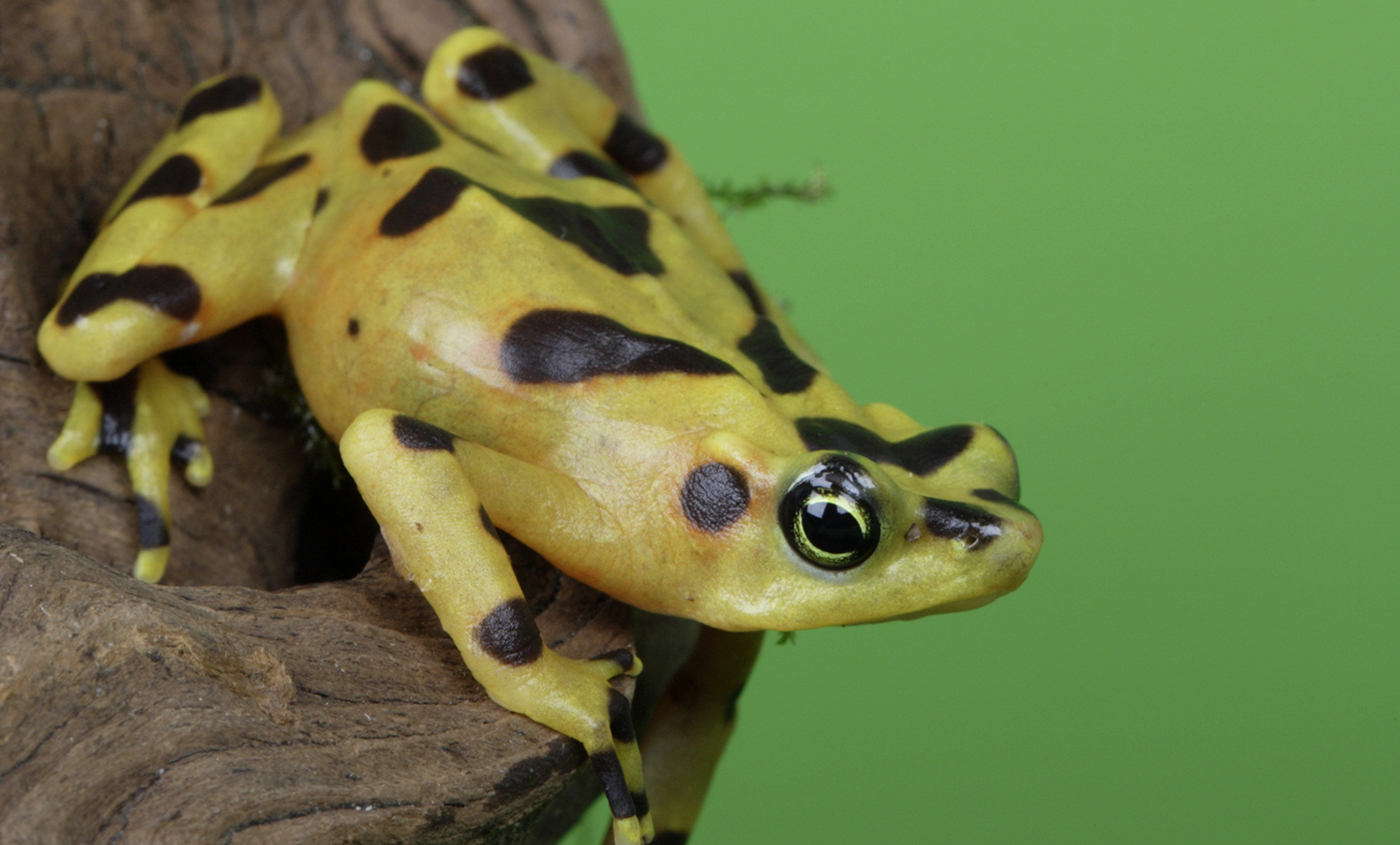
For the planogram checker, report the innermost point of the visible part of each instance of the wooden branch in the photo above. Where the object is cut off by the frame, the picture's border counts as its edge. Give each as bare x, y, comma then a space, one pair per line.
329, 713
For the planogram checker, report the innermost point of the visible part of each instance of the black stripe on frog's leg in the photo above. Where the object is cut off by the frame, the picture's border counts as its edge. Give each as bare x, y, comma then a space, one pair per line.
576, 164
568, 347
782, 370
921, 454
118, 398
609, 771
397, 132
750, 290
153, 532
620, 717
431, 197
958, 521
714, 496
420, 436
635, 149
164, 287
493, 73
987, 494
260, 177
232, 93
177, 176
509, 634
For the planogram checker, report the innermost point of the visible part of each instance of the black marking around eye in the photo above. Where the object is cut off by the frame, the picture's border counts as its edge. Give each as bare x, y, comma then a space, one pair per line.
714, 496
118, 398
609, 771
433, 196
987, 494
397, 132
178, 176
321, 197
153, 532
260, 177
164, 287
635, 150
959, 521
232, 93
493, 73
620, 717
486, 523
575, 164
782, 369
509, 634
745, 283
921, 454
567, 347
420, 436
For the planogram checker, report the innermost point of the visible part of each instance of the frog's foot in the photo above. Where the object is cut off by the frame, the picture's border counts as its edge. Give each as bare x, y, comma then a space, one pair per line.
150, 415
421, 483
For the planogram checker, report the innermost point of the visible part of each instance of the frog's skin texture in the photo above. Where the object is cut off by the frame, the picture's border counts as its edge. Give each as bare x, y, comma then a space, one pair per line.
520, 310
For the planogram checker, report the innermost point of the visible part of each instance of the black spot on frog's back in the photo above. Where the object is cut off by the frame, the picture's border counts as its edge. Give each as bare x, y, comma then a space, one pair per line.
431, 197
635, 149
177, 176
397, 132
567, 347
714, 496
782, 370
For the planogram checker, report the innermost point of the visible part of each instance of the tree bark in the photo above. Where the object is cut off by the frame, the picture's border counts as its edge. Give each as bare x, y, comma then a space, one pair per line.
215, 711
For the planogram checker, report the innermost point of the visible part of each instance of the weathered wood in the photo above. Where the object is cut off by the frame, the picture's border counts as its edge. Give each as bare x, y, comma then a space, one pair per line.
222, 713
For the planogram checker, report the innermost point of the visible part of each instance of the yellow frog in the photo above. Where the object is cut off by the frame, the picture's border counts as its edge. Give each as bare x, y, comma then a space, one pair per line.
519, 309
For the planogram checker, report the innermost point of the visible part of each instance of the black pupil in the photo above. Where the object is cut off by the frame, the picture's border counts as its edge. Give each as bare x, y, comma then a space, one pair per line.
831, 528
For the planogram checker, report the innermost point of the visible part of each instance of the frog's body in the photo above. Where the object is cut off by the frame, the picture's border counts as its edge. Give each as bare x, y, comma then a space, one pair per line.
618, 393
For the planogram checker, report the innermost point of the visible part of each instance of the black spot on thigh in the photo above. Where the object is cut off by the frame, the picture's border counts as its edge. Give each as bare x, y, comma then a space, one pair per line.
614, 236
153, 532
609, 771
321, 197
575, 164
714, 496
745, 283
635, 150
670, 837
959, 521
164, 287
620, 717
921, 454
232, 93
260, 177
420, 436
567, 347
509, 634
118, 398
353, 327
783, 371
433, 196
177, 176
987, 494
397, 132
493, 73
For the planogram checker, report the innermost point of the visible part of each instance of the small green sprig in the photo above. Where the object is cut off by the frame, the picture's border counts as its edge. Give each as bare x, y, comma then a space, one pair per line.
735, 199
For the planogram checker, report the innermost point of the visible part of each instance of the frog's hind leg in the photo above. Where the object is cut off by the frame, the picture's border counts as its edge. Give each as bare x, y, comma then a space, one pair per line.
417, 480
544, 117
165, 271
691, 725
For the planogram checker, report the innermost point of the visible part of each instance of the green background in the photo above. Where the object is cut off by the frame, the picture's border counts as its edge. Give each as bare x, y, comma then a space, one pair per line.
1158, 246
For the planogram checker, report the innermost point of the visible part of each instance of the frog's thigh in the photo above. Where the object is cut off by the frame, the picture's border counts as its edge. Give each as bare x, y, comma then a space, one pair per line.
413, 478
556, 122
691, 724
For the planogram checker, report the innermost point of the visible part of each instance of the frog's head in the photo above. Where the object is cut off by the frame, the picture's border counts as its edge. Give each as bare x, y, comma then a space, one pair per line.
840, 536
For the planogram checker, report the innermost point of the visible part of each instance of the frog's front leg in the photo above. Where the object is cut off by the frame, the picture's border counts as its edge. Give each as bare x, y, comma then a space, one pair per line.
417, 482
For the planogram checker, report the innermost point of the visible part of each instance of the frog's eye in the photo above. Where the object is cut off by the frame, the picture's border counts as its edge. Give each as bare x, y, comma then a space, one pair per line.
828, 521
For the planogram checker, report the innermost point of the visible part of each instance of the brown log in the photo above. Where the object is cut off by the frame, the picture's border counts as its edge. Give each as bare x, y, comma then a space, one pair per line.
214, 711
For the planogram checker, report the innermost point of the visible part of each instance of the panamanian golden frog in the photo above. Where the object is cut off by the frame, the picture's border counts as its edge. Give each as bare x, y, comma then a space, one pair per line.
516, 308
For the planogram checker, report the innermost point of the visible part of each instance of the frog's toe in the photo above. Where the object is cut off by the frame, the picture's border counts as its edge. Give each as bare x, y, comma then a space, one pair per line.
82, 430
199, 465
619, 767
627, 662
